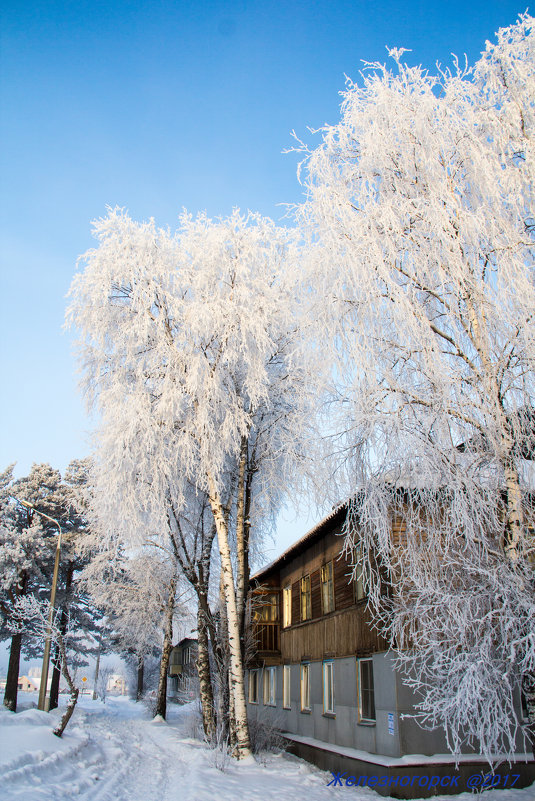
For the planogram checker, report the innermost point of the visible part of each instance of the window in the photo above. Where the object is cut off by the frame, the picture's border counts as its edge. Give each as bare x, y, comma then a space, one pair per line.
328, 688
366, 692
185, 655
267, 609
327, 588
253, 686
287, 606
270, 675
306, 606
359, 590
305, 688
286, 686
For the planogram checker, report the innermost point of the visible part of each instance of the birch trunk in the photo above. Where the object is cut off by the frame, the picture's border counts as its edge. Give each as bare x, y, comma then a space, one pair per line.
205, 679
240, 537
514, 510
515, 522
222, 657
161, 701
236, 678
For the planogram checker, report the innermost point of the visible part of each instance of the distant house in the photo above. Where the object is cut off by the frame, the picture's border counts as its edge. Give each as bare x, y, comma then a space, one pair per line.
28, 685
116, 684
182, 671
326, 677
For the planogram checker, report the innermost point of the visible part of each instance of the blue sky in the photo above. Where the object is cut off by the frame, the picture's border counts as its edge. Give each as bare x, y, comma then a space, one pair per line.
158, 106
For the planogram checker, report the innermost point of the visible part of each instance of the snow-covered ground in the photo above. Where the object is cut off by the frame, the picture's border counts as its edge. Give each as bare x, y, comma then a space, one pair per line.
115, 751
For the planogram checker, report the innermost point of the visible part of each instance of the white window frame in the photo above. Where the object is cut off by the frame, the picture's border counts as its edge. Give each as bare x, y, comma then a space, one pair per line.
253, 683
270, 684
305, 687
361, 688
287, 606
328, 687
286, 686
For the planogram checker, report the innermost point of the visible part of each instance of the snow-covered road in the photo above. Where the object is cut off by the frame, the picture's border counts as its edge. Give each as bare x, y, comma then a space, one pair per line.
115, 752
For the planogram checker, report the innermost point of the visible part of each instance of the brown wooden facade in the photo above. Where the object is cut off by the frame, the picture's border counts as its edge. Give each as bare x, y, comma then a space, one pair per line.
345, 630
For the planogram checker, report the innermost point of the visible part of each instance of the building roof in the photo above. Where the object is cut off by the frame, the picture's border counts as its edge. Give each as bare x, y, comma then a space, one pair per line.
185, 641
337, 515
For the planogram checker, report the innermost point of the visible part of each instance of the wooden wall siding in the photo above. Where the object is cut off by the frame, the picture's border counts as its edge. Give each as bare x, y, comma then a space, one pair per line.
343, 633
269, 582
398, 530
343, 586
326, 548
315, 592
346, 631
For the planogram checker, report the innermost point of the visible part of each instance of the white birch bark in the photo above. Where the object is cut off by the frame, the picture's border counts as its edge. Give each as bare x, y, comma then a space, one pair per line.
236, 674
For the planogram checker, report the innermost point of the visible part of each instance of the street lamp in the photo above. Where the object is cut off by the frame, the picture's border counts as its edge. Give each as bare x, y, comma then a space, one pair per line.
48, 638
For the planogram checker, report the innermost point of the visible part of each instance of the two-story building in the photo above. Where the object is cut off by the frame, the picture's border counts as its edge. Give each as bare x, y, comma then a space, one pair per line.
323, 674
182, 671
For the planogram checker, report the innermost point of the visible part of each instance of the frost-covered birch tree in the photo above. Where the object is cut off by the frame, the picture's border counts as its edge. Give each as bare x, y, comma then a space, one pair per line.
137, 589
186, 347
420, 209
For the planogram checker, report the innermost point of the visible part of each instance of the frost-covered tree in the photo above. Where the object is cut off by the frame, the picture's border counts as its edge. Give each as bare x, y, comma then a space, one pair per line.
420, 206
187, 345
192, 534
73, 603
141, 593
27, 549
25, 555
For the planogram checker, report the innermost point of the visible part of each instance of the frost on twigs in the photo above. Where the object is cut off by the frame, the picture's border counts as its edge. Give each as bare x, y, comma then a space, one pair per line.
188, 346
420, 208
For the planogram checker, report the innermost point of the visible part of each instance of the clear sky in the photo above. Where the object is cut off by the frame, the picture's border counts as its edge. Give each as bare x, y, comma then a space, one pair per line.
157, 106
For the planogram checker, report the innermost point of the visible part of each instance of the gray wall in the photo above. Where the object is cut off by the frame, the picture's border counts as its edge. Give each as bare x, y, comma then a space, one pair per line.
344, 729
392, 696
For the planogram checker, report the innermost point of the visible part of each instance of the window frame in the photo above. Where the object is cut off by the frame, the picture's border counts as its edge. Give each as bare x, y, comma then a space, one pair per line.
328, 667
327, 584
306, 598
267, 610
286, 686
269, 694
370, 691
287, 606
254, 672
305, 671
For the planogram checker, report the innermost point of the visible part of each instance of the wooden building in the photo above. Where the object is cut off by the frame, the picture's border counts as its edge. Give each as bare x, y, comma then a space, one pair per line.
182, 671
321, 672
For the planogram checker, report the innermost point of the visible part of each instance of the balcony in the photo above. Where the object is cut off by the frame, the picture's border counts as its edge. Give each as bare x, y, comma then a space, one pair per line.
266, 637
